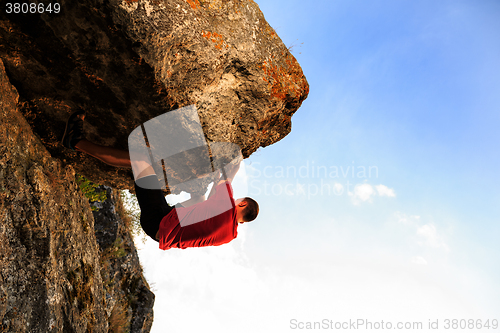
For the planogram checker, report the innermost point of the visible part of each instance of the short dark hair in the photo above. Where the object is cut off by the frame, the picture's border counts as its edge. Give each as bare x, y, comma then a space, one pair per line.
251, 211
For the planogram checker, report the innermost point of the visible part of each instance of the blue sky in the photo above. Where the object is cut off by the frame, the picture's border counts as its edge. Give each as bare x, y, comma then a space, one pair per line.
409, 88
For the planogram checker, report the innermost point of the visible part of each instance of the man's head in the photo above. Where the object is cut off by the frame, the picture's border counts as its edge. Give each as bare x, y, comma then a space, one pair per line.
247, 209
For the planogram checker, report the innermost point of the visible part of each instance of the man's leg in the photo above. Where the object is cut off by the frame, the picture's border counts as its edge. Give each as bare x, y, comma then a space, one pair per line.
152, 202
74, 138
153, 207
115, 157
112, 156
151, 199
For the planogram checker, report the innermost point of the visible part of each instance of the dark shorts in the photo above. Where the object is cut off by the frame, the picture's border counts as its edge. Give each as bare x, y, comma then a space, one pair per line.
153, 205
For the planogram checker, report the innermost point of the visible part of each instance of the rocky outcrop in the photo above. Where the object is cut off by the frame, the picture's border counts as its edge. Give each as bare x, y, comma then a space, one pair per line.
54, 277
128, 298
64, 269
127, 61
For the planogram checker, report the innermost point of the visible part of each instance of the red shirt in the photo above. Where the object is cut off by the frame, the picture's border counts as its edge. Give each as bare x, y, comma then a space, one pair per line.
208, 223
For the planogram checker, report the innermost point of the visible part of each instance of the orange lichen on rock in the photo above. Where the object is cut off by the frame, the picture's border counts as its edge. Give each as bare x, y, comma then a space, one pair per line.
194, 3
285, 80
216, 38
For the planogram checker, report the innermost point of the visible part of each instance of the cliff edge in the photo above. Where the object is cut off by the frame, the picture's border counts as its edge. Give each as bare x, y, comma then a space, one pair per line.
55, 274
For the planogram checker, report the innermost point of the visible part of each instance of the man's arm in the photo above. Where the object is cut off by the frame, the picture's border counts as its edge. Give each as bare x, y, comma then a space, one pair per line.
229, 173
232, 169
216, 182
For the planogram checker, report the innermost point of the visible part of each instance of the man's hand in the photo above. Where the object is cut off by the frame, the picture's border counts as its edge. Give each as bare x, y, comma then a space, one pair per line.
231, 170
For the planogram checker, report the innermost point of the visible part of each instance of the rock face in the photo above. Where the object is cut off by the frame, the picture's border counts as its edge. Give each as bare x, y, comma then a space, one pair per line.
54, 277
127, 61
62, 268
128, 298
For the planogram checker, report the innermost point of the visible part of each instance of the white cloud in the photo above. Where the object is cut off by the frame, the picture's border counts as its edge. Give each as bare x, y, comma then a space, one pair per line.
202, 282
384, 191
423, 234
431, 237
413, 231
418, 260
224, 291
365, 192
338, 188
407, 220
220, 289
362, 192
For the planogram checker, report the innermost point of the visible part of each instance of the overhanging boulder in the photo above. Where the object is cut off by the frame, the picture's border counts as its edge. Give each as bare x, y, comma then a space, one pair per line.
126, 62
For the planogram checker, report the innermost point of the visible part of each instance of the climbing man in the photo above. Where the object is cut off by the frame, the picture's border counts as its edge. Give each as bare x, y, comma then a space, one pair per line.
197, 222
